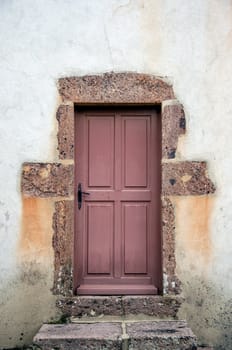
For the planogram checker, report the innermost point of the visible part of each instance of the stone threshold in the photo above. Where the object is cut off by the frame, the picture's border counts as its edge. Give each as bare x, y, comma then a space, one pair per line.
94, 306
116, 319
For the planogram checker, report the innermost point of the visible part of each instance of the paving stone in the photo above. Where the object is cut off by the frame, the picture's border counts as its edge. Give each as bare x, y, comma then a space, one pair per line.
92, 336
157, 335
117, 335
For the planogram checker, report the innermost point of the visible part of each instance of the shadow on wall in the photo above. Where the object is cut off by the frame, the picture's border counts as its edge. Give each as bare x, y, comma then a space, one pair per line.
25, 304
208, 312
26, 301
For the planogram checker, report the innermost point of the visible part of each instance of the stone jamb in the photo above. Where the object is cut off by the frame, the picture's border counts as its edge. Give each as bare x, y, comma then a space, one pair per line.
56, 179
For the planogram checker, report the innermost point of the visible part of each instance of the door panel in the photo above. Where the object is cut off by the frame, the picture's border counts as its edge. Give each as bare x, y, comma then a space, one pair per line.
100, 151
117, 229
135, 141
99, 238
135, 227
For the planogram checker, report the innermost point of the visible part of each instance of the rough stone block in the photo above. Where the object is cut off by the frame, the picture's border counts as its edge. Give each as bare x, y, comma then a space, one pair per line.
172, 283
153, 305
65, 136
91, 306
185, 178
173, 125
47, 179
63, 241
115, 88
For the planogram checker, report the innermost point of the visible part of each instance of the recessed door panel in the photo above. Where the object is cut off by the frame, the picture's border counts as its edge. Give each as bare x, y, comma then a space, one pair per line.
100, 151
117, 226
135, 142
99, 238
135, 227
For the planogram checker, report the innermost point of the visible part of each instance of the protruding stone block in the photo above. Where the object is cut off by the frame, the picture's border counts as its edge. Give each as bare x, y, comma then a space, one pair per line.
186, 179
47, 179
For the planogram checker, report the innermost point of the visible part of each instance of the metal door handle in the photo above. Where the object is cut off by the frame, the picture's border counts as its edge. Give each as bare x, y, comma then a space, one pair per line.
80, 193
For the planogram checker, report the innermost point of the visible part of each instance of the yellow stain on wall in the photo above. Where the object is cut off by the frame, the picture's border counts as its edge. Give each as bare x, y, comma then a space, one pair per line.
193, 226
36, 231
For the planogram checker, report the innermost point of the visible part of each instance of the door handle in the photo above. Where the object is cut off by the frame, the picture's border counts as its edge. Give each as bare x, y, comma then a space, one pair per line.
80, 193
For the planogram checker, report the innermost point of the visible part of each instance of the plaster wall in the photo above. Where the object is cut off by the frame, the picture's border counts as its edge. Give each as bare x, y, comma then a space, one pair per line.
189, 43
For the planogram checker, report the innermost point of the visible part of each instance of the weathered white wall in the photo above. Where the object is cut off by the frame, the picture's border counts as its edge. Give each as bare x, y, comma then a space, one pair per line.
189, 42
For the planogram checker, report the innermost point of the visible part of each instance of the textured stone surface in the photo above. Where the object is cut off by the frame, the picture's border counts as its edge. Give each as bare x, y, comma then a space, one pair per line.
63, 241
115, 88
47, 179
185, 178
93, 336
65, 135
152, 305
172, 335
137, 335
171, 283
91, 306
173, 125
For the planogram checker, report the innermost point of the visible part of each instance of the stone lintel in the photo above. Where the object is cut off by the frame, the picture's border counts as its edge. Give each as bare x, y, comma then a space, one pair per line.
115, 88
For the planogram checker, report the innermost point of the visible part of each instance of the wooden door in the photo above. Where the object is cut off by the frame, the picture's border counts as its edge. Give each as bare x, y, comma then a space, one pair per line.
117, 227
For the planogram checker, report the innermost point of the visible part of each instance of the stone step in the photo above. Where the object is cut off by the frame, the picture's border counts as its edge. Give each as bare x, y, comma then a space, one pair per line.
151, 305
117, 335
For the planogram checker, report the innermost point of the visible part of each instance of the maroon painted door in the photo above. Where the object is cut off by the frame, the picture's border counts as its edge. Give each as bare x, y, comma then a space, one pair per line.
117, 225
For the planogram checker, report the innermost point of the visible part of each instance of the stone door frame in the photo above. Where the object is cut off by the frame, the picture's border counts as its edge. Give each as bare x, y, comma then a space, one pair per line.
56, 179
